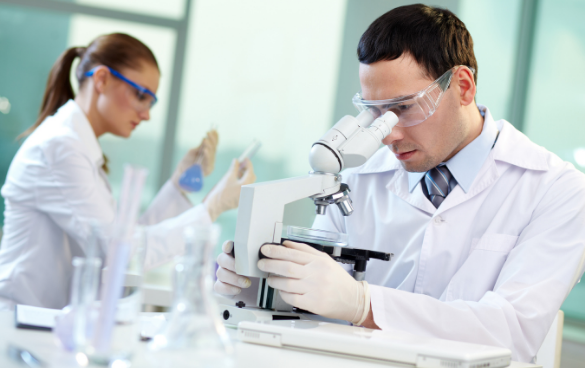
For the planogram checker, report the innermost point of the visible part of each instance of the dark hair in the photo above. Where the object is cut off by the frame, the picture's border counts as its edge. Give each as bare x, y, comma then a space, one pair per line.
116, 50
434, 37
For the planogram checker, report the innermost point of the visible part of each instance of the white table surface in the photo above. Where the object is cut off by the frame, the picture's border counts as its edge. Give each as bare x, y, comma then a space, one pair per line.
42, 345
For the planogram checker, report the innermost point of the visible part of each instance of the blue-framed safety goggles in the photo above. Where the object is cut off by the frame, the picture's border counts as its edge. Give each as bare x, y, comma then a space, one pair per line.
145, 98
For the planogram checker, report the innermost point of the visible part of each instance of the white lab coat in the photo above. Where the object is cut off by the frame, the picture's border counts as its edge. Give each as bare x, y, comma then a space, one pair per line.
54, 188
490, 266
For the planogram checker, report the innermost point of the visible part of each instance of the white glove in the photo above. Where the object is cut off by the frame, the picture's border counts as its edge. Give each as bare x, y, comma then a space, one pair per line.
205, 152
226, 194
313, 281
228, 282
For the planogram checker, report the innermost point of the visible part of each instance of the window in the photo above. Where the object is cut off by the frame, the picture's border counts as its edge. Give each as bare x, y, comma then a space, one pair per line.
28, 53
494, 28
554, 116
271, 76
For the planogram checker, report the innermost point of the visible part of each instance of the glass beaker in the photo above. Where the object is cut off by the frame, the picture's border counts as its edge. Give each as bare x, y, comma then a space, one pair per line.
125, 334
74, 327
194, 327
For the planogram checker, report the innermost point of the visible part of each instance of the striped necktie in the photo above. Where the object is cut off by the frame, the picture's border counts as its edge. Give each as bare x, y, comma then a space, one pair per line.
438, 182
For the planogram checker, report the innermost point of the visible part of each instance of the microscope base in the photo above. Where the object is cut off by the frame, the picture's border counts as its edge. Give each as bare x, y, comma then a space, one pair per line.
232, 315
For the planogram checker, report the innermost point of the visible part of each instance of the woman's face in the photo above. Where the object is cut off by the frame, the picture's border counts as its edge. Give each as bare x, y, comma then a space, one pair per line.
119, 104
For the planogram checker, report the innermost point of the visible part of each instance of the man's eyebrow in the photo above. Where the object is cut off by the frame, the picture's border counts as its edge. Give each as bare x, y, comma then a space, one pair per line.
401, 96
393, 98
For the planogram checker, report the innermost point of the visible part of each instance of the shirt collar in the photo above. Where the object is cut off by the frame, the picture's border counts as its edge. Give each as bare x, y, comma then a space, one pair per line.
466, 163
81, 125
512, 147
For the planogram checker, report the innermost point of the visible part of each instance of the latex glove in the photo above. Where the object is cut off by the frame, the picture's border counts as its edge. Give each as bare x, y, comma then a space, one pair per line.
229, 283
206, 149
313, 281
226, 194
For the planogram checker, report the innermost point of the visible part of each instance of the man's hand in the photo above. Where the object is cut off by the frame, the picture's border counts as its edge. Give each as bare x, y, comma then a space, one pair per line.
228, 282
313, 281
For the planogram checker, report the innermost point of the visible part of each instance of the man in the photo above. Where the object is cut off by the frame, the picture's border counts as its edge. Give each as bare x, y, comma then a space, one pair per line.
487, 228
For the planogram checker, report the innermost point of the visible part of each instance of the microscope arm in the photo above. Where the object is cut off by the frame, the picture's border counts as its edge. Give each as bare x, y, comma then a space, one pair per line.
261, 211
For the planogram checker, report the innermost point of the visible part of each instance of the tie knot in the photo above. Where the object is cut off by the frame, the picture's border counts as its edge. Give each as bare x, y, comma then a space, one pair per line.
439, 182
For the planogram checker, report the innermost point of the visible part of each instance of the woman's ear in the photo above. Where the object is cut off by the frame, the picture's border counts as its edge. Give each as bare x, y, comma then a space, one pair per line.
100, 79
464, 79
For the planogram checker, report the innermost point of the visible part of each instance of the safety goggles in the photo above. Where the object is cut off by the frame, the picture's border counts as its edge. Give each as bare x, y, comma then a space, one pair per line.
143, 99
412, 109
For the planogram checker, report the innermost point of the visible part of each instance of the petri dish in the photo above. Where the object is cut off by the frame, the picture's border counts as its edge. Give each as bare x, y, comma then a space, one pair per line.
316, 236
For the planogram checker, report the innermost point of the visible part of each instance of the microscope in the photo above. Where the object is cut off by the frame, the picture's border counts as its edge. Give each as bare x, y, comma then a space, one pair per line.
349, 143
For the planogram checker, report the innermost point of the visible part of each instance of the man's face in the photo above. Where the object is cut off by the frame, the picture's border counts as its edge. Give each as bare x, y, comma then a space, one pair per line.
421, 147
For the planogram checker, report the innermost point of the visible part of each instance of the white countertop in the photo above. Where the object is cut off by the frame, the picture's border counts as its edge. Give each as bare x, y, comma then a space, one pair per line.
43, 346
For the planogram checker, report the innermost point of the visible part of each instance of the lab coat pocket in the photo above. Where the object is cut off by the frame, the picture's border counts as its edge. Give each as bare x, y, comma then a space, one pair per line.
481, 269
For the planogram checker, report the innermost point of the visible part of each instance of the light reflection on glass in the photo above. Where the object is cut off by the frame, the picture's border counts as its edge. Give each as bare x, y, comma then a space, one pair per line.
81, 359
579, 156
4, 105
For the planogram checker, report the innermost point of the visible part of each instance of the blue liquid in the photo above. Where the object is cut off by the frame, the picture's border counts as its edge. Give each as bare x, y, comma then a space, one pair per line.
192, 179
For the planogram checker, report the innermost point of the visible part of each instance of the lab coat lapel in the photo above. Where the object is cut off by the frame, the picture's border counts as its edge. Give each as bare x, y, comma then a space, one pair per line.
82, 127
384, 161
399, 186
486, 177
510, 148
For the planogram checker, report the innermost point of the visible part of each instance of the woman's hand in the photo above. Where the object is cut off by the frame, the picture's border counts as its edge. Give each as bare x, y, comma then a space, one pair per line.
226, 194
205, 153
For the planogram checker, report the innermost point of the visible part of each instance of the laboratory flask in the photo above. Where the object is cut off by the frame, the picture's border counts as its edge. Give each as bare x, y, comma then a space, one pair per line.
194, 334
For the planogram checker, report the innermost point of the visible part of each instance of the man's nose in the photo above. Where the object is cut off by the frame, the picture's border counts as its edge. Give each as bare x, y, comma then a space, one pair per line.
395, 135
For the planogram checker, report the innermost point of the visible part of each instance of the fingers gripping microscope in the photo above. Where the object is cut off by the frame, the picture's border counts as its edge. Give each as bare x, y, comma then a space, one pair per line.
349, 143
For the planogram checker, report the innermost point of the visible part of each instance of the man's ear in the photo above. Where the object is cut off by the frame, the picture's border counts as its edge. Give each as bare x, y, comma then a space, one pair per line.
467, 89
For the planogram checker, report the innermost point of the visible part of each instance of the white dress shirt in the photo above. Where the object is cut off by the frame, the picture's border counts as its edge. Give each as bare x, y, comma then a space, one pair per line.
55, 187
493, 263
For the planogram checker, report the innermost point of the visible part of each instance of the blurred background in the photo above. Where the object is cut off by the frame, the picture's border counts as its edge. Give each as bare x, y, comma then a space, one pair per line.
283, 72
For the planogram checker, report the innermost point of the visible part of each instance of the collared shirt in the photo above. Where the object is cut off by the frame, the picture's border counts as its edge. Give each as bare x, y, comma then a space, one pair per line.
54, 189
492, 264
465, 165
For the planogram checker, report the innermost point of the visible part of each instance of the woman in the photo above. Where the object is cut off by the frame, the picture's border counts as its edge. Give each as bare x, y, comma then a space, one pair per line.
57, 184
